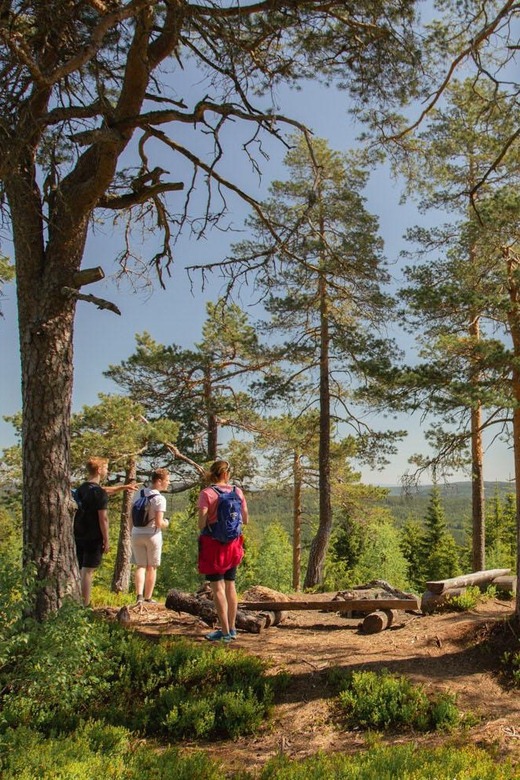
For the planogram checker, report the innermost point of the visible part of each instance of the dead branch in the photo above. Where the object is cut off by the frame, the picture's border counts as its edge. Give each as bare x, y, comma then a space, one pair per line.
101, 303
141, 196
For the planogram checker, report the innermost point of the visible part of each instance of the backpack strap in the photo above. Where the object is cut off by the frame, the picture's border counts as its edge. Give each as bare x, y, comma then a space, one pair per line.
219, 492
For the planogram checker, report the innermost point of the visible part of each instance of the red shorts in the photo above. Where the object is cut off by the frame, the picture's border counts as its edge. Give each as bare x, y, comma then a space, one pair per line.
218, 558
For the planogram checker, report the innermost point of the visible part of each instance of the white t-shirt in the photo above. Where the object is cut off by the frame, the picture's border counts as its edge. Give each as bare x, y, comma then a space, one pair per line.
156, 504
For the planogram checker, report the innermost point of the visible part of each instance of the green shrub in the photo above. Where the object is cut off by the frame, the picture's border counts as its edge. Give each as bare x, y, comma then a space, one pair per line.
75, 666
511, 661
405, 762
95, 750
386, 701
471, 597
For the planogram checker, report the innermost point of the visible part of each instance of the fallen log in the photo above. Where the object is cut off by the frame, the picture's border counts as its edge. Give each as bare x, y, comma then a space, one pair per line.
431, 601
376, 622
204, 608
506, 584
476, 578
272, 618
363, 605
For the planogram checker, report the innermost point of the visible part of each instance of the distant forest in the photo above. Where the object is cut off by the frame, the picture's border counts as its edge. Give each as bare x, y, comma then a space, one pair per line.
271, 505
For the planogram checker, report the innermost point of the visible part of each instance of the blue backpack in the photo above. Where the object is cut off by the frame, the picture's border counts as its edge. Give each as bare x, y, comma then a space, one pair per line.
140, 510
229, 516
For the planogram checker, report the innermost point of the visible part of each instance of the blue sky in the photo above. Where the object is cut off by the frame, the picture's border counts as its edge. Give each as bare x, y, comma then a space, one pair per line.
176, 314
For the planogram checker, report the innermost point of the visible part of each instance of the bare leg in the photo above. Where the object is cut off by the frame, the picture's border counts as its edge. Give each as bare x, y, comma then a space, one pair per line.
232, 602
86, 575
219, 598
149, 583
139, 580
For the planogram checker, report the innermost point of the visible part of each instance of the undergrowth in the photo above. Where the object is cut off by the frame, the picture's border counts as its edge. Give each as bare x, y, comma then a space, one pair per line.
402, 762
75, 666
472, 596
385, 701
96, 750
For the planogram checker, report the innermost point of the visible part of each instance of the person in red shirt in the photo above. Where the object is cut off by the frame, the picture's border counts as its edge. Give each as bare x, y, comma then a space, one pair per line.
219, 561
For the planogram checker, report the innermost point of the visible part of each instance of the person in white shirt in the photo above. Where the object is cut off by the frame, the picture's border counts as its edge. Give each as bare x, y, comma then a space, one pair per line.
147, 540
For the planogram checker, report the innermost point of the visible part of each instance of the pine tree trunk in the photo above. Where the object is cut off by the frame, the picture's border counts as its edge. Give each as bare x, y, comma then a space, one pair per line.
320, 542
297, 521
121, 578
477, 454
514, 324
477, 488
477, 473
46, 324
212, 424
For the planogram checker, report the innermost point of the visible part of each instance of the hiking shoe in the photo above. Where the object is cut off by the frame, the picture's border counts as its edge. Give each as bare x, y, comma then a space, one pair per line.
218, 636
151, 601
233, 633
139, 598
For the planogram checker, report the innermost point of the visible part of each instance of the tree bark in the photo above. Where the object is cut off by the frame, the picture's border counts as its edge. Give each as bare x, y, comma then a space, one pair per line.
477, 452
121, 577
477, 491
46, 324
212, 422
297, 521
376, 622
513, 265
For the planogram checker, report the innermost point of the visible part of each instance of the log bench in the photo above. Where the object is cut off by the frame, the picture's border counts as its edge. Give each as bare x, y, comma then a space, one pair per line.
254, 616
380, 611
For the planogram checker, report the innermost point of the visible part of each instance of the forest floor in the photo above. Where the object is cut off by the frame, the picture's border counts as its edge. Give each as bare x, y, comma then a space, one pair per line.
459, 653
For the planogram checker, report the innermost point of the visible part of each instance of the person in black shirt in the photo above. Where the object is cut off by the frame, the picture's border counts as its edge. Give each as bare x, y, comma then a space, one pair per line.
91, 536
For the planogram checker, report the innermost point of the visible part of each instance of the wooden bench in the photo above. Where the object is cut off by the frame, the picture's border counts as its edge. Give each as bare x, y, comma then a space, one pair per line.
380, 611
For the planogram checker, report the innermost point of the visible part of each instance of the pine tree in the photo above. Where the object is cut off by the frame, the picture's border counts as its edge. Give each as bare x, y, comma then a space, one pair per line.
449, 298
201, 389
322, 285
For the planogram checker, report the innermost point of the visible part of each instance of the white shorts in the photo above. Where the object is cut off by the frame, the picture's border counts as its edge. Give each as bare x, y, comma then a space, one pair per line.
146, 549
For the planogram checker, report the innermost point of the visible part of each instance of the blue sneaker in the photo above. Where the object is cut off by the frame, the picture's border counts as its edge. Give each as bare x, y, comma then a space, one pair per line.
215, 636
233, 633
218, 636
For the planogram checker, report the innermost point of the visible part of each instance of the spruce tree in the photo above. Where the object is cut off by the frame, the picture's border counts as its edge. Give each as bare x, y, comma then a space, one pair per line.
438, 548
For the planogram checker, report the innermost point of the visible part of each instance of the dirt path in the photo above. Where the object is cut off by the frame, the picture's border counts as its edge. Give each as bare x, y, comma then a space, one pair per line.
444, 652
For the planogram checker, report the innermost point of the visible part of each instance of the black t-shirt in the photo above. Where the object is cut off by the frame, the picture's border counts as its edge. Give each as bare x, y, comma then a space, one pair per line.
93, 498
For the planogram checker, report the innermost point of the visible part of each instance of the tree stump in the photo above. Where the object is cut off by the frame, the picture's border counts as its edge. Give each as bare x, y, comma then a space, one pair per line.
378, 621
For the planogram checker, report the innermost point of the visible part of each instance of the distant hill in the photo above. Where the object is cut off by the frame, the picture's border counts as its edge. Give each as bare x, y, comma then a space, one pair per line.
448, 489
267, 506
